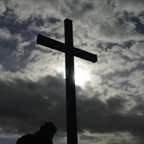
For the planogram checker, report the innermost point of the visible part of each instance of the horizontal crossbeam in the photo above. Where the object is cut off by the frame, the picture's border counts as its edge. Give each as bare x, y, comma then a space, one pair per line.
48, 42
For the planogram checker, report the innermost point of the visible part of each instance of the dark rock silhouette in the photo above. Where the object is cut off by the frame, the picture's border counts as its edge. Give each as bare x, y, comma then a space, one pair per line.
43, 136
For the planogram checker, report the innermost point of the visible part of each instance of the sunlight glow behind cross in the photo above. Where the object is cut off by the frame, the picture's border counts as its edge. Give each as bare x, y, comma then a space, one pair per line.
81, 75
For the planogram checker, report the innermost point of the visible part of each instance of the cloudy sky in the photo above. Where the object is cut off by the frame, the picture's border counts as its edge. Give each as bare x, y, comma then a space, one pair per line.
110, 92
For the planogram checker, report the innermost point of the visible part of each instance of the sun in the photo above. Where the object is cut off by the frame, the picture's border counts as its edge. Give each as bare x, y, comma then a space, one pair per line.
81, 75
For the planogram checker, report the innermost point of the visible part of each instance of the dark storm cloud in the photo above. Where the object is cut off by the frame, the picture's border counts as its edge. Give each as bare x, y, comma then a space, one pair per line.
25, 105
96, 116
116, 103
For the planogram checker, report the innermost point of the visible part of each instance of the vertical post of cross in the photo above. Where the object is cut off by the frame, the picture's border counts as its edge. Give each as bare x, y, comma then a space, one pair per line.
70, 85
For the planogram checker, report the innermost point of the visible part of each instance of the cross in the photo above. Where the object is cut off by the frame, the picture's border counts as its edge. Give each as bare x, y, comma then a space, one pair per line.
70, 51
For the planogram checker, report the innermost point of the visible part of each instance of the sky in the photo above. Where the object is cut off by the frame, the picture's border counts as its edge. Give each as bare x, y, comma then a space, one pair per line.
109, 93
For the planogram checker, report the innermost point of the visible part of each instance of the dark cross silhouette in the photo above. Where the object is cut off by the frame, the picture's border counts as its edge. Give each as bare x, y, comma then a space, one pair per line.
70, 52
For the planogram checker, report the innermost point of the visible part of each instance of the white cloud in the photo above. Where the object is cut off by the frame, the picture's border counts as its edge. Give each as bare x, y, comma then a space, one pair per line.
113, 31
2, 8
129, 54
40, 64
131, 6
111, 62
56, 30
136, 79
96, 18
20, 49
108, 138
5, 34
138, 48
26, 9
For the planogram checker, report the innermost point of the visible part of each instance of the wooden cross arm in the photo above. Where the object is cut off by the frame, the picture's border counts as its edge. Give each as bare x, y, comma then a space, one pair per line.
48, 42
45, 41
85, 55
